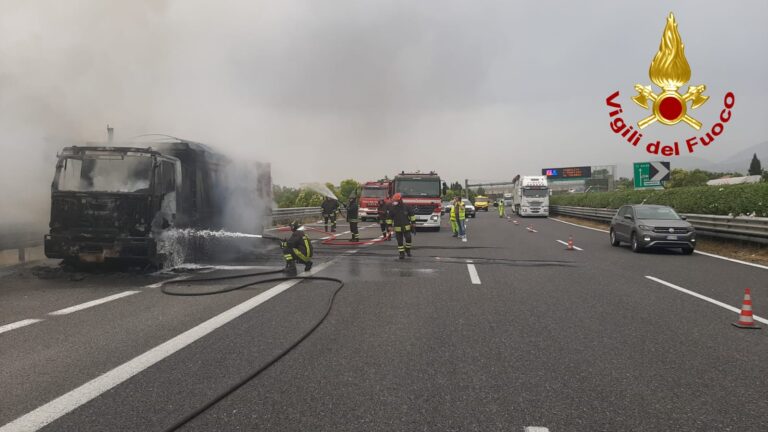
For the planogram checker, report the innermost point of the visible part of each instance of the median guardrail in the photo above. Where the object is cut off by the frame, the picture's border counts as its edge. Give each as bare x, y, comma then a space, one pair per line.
744, 228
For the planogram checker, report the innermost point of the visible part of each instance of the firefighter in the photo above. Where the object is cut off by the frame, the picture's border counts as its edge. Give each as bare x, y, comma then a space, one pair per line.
401, 218
501, 208
382, 213
330, 206
297, 247
458, 218
353, 218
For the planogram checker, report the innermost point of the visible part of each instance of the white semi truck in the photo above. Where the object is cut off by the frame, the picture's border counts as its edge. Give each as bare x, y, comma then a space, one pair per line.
531, 196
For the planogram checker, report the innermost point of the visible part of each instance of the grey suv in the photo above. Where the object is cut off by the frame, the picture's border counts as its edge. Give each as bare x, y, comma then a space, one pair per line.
652, 226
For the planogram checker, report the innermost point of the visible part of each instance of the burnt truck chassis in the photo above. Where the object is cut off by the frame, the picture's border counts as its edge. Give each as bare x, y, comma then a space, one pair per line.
95, 226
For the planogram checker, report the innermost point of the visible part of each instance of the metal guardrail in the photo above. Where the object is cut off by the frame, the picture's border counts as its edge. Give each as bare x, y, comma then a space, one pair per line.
745, 228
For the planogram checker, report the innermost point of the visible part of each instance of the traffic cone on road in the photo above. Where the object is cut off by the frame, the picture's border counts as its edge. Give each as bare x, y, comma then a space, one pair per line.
746, 321
570, 243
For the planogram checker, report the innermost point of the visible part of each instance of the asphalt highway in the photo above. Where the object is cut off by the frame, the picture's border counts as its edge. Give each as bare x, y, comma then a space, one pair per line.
504, 332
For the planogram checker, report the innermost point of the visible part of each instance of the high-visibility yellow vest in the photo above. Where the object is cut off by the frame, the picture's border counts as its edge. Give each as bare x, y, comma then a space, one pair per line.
461, 212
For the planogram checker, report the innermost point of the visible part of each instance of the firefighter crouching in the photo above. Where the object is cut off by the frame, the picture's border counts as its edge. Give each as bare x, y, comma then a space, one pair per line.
330, 206
401, 218
382, 213
297, 247
353, 218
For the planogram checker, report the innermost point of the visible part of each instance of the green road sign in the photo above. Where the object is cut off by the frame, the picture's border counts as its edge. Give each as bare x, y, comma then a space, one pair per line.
650, 175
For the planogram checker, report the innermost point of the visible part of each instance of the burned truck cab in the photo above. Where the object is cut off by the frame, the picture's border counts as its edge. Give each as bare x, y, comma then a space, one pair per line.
111, 202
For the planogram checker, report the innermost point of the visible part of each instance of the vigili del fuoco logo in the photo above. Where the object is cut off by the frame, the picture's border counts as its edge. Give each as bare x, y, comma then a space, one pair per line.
669, 71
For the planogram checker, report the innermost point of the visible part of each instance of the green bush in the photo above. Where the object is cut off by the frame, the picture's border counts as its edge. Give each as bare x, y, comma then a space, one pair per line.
715, 200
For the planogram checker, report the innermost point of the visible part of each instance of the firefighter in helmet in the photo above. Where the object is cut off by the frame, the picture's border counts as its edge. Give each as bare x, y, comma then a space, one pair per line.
330, 206
297, 247
382, 213
401, 218
353, 218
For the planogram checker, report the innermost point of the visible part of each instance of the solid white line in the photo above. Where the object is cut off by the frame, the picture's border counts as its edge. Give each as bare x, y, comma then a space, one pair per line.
18, 324
473, 274
92, 303
760, 266
705, 298
580, 226
732, 260
566, 243
62, 405
536, 429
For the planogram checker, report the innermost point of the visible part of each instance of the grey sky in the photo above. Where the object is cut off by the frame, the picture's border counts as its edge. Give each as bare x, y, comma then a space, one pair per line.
333, 89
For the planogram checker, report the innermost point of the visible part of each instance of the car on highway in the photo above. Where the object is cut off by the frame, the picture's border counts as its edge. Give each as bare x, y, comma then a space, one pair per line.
652, 226
469, 208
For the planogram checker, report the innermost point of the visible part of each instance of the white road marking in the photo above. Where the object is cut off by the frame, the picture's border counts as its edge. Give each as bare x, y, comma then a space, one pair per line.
760, 266
732, 260
705, 298
18, 324
536, 429
566, 243
67, 402
93, 303
473, 273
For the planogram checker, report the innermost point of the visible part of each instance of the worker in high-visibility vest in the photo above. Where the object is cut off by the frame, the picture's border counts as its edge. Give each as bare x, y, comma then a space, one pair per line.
458, 218
501, 208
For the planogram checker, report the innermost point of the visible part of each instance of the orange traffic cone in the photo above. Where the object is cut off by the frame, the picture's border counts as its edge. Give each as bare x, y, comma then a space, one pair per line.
570, 243
745, 317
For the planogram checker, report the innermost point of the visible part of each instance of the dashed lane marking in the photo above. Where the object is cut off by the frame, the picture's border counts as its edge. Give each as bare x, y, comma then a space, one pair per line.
473, 276
705, 298
536, 429
93, 303
18, 324
566, 243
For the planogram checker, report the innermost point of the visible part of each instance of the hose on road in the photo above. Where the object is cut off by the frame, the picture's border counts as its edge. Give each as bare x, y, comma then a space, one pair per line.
234, 387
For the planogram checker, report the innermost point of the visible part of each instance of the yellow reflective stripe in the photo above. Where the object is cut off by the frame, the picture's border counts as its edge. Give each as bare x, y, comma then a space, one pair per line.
306, 244
398, 229
390, 221
407, 227
300, 255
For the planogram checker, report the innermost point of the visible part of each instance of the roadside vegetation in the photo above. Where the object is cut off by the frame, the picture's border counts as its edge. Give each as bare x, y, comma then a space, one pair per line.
735, 200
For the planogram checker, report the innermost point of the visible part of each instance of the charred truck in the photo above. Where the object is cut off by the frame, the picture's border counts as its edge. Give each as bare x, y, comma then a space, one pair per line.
116, 202
422, 192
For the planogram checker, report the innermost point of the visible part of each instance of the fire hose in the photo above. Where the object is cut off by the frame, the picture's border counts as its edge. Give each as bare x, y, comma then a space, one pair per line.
250, 376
